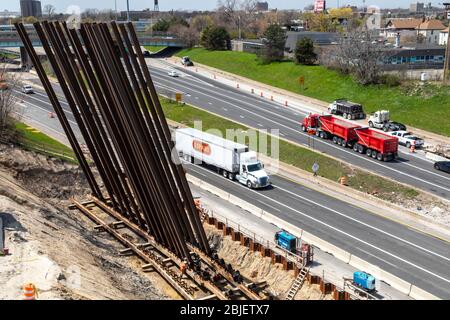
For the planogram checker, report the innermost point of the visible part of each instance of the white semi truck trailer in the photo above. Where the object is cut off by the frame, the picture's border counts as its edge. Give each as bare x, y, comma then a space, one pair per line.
234, 161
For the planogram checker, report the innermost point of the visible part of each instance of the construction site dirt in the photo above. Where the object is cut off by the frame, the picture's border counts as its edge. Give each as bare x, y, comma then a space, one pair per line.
59, 251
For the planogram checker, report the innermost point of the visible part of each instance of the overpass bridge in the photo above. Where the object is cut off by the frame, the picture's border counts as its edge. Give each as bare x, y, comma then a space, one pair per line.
10, 39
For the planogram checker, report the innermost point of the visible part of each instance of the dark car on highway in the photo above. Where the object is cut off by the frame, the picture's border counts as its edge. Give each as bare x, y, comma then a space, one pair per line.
442, 166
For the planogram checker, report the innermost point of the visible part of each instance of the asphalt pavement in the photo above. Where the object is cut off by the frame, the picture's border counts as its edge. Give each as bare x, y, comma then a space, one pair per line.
415, 257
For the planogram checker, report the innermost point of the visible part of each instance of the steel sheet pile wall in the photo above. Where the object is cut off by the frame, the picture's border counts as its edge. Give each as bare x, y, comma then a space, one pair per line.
109, 89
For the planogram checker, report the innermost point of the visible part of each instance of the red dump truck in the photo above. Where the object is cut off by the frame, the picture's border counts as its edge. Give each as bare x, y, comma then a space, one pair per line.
346, 134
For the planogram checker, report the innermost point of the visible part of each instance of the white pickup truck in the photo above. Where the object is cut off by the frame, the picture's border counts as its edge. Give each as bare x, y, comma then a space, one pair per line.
407, 139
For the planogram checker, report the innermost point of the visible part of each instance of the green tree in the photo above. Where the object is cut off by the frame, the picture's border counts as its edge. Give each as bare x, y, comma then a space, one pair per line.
216, 38
274, 42
304, 52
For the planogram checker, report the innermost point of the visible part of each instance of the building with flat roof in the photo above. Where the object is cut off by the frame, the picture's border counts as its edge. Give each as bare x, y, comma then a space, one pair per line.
262, 6
417, 7
30, 8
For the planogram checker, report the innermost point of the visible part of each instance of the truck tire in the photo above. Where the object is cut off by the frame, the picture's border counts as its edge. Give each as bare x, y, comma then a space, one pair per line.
371, 124
408, 145
339, 141
369, 152
231, 176
345, 116
374, 154
379, 156
303, 128
335, 139
322, 135
249, 184
344, 143
350, 117
355, 147
385, 128
361, 149
225, 174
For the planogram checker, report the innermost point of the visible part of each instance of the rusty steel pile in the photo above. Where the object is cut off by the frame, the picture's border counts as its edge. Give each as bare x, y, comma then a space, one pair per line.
102, 72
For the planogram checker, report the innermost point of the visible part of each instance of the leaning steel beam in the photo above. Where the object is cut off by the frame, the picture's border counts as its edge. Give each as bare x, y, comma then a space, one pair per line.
114, 102
58, 109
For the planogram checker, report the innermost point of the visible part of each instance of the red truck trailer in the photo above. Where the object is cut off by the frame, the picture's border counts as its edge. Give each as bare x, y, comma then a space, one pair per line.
363, 140
376, 144
330, 127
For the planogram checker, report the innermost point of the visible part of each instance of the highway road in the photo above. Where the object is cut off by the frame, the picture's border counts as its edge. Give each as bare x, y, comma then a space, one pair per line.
418, 258
261, 113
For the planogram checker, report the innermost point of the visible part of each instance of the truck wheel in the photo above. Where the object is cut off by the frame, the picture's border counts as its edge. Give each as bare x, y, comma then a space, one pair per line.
408, 145
339, 142
385, 128
379, 157
249, 184
345, 116
369, 152
231, 176
350, 117
360, 149
225, 174
371, 124
303, 128
344, 143
335, 139
374, 154
355, 147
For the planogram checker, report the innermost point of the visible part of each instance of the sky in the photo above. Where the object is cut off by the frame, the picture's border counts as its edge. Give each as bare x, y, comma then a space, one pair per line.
165, 5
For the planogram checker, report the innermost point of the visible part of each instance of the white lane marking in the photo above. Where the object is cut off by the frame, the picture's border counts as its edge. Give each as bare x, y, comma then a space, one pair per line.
225, 109
210, 103
268, 205
434, 173
328, 144
46, 111
376, 257
260, 125
337, 230
363, 223
41, 124
43, 101
321, 141
241, 116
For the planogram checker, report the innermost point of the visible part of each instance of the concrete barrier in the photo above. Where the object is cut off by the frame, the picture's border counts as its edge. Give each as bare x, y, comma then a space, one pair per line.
397, 283
419, 294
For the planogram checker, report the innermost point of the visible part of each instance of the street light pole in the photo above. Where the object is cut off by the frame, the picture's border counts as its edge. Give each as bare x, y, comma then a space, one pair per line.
128, 10
239, 18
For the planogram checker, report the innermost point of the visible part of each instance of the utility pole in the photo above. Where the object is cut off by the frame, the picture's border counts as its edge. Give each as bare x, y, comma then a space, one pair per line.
447, 50
239, 18
115, 8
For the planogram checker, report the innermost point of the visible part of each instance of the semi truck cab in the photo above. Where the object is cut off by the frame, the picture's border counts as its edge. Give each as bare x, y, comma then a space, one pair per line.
251, 171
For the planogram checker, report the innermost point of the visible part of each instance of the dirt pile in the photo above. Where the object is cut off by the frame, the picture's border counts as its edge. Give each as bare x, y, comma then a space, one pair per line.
256, 268
55, 248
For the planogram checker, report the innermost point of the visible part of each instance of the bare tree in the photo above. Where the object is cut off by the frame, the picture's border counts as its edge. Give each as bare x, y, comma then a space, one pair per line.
8, 101
360, 54
49, 11
189, 35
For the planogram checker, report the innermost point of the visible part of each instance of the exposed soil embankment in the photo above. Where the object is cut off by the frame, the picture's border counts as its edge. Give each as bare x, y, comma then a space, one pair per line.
54, 248
256, 268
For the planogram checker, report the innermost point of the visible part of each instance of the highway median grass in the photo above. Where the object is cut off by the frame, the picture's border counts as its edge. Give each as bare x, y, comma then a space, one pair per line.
293, 154
154, 49
34, 140
421, 105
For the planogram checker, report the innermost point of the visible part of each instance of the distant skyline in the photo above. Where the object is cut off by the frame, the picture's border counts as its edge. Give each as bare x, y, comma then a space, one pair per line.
165, 5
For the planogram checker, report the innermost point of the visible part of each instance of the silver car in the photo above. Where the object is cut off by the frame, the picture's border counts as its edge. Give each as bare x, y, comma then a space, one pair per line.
27, 89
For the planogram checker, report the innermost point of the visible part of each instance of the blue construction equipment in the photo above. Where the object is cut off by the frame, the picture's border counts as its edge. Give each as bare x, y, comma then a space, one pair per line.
364, 281
286, 241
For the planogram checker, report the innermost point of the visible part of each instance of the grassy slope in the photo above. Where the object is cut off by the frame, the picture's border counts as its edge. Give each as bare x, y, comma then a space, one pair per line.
37, 141
428, 113
154, 49
292, 154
